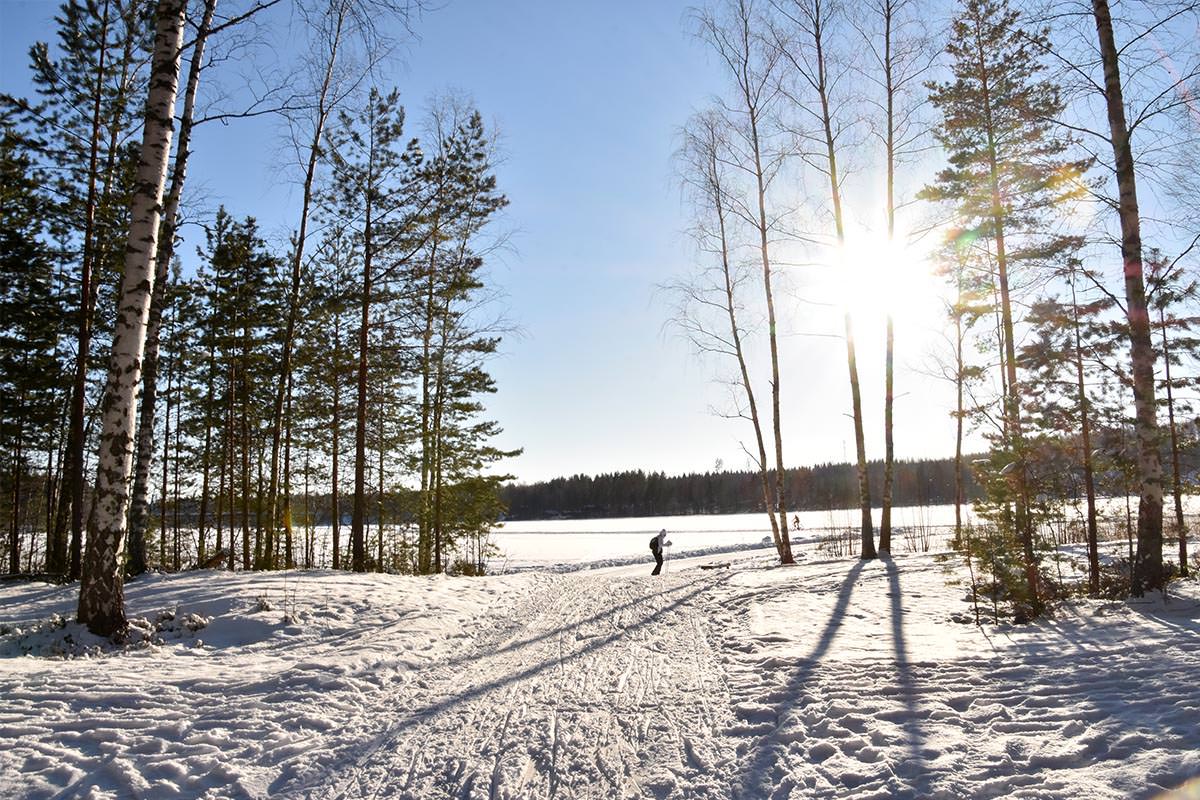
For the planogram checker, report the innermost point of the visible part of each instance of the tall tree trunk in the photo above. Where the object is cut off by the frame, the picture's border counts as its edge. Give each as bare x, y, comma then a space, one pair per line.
289, 561
175, 557
75, 435
736, 337
205, 464
1176, 485
776, 417
341, 9
1085, 414
835, 190
358, 552
243, 380
885, 519
379, 497
438, 461
97, 255
335, 434
101, 595
1148, 563
425, 545
14, 532
1012, 404
166, 463
166, 251
958, 419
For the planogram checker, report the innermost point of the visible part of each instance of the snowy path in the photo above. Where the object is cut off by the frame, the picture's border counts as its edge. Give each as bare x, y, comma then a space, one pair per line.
604, 687
831, 679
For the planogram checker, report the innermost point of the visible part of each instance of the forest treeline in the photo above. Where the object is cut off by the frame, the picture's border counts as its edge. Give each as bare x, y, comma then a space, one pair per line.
160, 413
639, 493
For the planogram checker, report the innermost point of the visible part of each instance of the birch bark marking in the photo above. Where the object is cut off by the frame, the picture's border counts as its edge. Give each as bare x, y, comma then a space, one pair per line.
166, 250
101, 592
1148, 564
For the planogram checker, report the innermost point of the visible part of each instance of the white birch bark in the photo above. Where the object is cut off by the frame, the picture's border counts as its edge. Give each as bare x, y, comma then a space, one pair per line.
166, 248
101, 593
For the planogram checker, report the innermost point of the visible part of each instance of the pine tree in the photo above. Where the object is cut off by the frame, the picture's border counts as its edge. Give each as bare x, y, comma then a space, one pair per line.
452, 347
1007, 177
1061, 358
374, 191
1173, 288
31, 305
81, 125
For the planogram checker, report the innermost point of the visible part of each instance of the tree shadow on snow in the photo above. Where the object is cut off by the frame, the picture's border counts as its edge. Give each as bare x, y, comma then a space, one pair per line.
761, 779
906, 684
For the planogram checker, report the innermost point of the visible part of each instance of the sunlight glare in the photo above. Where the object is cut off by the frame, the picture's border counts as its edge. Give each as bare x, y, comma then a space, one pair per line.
877, 277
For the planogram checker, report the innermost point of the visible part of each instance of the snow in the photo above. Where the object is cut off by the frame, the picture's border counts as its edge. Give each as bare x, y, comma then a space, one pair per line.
833, 678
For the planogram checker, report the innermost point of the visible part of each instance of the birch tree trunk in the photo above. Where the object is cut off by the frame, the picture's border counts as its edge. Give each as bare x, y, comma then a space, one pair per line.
166, 250
816, 22
738, 46
1148, 564
781, 539
101, 593
885, 519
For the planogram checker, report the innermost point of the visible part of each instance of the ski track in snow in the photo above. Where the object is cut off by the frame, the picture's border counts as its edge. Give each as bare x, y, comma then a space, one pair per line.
603, 688
828, 679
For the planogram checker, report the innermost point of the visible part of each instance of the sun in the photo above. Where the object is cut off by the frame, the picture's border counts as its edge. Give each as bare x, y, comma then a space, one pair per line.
878, 276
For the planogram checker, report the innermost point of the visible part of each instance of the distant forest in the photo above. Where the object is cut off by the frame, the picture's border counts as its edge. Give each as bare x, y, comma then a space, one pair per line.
638, 493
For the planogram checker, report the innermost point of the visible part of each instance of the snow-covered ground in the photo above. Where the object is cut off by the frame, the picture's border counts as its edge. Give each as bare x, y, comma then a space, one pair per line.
834, 678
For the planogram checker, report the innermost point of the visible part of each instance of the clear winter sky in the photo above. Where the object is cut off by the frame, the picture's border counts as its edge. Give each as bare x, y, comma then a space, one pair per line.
589, 97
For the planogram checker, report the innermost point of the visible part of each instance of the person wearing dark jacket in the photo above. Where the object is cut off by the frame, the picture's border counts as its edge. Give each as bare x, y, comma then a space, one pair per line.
656, 547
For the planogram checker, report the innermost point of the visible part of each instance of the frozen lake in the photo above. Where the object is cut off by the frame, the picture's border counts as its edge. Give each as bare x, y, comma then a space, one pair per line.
548, 543
560, 544
551, 543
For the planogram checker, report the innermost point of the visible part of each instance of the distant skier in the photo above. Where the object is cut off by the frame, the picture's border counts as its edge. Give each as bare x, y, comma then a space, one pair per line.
656, 547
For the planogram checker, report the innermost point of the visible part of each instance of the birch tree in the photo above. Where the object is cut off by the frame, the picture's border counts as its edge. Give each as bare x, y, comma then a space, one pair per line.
734, 29
166, 251
101, 594
1148, 565
900, 56
710, 307
806, 43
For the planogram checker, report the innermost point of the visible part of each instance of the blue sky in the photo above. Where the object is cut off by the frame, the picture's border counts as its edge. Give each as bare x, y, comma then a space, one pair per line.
588, 98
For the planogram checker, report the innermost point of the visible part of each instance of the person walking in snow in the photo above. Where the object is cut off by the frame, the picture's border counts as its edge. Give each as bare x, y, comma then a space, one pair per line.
656, 547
